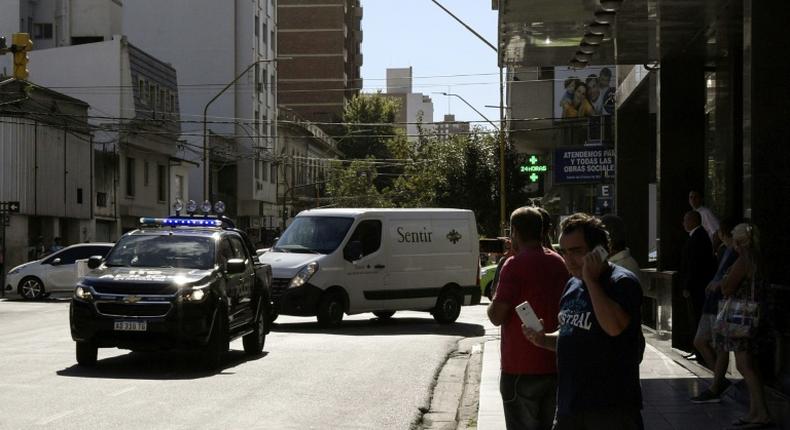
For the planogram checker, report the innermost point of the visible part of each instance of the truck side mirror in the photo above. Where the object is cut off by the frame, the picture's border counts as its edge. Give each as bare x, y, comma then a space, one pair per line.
353, 251
94, 261
235, 266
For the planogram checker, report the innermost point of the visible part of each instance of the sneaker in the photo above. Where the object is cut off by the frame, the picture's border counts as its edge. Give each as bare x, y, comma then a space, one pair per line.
706, 396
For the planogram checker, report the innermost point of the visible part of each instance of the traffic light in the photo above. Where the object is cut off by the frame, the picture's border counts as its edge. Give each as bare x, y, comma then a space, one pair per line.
20, 46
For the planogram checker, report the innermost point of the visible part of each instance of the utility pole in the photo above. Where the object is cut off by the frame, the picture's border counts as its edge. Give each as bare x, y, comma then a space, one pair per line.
502, 197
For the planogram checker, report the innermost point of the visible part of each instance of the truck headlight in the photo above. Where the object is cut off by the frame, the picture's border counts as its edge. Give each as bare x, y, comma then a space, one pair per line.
83, 293
303, 275
196, 294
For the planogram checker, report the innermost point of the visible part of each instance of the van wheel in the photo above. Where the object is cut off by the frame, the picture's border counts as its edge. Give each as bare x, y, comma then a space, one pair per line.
330, 310
218, 343
87, 353
253, 342
448, 307
384, 315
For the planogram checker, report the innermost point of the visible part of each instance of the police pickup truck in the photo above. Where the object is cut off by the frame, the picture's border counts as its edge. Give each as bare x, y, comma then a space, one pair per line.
174, 283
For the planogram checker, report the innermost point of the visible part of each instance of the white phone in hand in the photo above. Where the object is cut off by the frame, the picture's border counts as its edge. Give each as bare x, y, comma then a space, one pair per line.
602, 252
528, 316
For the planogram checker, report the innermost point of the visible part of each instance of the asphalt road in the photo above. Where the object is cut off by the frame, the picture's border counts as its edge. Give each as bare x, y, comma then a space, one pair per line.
367, 374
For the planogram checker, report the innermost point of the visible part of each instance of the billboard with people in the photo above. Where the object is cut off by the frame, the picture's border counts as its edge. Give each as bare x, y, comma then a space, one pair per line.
587, 92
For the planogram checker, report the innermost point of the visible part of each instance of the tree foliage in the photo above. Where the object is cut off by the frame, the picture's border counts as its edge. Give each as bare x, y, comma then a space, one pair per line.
385, 169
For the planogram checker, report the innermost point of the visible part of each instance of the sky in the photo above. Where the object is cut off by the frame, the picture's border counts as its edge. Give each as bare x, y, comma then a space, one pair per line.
417, 33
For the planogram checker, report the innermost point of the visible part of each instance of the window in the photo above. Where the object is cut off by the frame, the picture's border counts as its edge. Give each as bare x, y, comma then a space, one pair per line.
264, 170
368, 233
161, 177
172, 102
238, 248
146, 173
179, 187
42, 31
130, 176
101, 200
84, 252
66, 256
265, 32
273, 176
147, 93
258, 25
154, 96
141, 91
162, 98
79, 196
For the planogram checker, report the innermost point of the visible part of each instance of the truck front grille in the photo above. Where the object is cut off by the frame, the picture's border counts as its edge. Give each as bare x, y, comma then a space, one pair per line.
134, 310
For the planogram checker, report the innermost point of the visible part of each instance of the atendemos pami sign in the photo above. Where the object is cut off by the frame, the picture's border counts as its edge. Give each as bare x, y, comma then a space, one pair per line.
583, 164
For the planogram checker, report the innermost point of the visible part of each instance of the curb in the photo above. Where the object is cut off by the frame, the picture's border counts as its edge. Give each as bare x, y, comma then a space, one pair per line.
491, 414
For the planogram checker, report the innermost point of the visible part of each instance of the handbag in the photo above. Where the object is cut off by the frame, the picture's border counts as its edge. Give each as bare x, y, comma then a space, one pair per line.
738, 318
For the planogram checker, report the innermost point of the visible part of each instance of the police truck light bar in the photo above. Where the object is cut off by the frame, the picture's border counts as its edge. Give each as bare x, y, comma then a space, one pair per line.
193, 222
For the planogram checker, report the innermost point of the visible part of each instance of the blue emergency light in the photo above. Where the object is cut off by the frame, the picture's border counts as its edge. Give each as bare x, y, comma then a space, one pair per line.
175, 222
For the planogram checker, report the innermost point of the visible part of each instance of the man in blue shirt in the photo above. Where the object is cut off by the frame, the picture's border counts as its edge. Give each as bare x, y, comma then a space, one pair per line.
599, 343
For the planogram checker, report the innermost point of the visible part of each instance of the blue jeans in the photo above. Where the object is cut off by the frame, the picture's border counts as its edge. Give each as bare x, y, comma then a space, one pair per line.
529, 400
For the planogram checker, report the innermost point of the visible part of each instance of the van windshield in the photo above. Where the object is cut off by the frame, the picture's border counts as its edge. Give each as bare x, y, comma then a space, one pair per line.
314, 234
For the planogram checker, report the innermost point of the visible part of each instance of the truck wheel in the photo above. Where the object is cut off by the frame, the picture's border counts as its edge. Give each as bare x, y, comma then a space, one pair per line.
218, 343
253, 342
448, 307
330, 310
87, 353
384, 315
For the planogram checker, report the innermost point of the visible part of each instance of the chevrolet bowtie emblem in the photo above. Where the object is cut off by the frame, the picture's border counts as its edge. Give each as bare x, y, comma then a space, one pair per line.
131, 299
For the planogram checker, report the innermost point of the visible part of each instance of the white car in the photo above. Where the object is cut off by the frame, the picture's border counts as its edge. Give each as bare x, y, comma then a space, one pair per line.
55, 272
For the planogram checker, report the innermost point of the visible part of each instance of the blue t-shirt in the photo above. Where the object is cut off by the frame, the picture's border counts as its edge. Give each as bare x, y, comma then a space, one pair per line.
596, 370
711, 305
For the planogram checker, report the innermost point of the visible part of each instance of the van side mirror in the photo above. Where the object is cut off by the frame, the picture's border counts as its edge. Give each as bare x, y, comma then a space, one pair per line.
353, 251
94, 261
235, 266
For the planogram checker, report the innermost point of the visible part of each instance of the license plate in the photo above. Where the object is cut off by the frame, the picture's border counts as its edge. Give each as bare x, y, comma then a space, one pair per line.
131, 326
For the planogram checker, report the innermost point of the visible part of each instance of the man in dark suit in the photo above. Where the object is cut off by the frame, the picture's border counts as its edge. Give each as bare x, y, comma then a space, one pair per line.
697, 266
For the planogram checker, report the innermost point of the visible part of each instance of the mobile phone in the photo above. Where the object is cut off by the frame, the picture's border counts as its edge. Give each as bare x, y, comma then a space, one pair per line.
528, 316
601, 251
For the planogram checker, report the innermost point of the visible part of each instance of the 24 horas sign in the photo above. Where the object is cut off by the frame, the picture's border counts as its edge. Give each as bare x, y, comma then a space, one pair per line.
583, 164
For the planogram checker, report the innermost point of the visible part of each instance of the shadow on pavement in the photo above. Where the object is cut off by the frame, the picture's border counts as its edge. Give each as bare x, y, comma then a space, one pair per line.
165, 365
377, 327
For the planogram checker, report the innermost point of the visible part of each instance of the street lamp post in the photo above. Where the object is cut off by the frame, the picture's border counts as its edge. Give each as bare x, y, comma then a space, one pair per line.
470, 107
502, 197
205, 125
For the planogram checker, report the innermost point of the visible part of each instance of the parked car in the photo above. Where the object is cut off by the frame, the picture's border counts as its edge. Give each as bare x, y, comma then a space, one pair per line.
55, 272
487, 280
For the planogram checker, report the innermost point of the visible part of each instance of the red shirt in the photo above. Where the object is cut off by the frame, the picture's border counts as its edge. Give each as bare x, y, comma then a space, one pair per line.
539, 277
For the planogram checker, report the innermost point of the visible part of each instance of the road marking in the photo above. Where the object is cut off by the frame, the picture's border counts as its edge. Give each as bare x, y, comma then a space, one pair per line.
125, 390
46, 421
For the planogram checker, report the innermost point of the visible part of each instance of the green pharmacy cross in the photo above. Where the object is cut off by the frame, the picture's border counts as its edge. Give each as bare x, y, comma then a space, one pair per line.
534, 168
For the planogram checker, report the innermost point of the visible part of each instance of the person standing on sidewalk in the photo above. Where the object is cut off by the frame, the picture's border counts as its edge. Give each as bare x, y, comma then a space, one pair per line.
697, 267
716, 359
599, 343
536, 274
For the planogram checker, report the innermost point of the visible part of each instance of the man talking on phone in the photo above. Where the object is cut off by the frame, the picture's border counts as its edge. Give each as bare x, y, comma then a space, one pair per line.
599, 343
535, 274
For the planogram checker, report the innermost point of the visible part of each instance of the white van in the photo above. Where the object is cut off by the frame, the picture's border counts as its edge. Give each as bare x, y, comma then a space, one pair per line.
334, 261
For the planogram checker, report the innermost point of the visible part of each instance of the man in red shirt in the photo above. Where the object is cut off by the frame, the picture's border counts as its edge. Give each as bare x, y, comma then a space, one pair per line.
528, 382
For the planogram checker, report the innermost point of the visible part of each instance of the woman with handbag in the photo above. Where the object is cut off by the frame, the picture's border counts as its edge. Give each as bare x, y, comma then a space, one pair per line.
737, 320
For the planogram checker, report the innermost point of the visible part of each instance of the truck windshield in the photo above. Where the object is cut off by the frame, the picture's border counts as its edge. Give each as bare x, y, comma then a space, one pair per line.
313, 234
163, 251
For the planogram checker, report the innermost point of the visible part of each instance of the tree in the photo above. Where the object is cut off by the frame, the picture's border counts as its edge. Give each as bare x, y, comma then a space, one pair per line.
351, 185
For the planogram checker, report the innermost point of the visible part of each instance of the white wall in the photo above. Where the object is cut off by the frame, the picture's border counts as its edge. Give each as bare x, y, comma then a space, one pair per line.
77, 71
95, 18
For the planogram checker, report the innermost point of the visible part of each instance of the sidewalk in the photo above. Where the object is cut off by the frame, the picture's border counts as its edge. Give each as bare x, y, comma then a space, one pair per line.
667, 383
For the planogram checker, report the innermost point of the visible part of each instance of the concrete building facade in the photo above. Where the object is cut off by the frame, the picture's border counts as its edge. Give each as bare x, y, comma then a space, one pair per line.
416, 109
212, 43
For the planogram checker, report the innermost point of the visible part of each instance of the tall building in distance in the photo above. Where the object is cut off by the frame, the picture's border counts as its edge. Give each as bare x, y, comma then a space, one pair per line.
451, 127
415, 108
322, 38
211, 44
